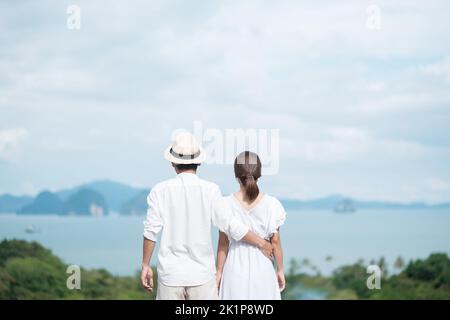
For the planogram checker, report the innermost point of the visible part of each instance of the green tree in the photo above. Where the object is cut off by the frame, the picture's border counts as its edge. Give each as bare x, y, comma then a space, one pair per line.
382, 263
435, 269
352, 277
294, 266
399, 263
35, 279
29, 271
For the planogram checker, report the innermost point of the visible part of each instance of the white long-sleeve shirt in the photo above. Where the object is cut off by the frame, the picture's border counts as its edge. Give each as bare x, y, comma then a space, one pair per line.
184, 208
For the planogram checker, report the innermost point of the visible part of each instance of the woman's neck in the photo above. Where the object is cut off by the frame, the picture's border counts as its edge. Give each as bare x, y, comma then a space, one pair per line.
243, 197
241, 194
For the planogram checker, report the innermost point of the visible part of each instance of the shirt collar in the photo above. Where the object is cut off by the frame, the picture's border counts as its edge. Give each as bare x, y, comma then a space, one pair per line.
187, 174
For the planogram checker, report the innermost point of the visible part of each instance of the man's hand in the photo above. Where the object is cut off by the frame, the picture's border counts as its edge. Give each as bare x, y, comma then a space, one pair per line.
281, 280
263, 245
147, 278
266, 248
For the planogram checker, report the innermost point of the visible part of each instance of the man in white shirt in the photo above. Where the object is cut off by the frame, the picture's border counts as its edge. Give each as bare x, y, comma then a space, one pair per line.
184, 209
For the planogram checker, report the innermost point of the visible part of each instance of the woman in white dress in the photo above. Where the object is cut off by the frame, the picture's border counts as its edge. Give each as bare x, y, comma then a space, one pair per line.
243, 272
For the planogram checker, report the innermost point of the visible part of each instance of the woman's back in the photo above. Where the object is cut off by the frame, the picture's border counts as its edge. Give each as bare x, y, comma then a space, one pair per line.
247, 273
263, 218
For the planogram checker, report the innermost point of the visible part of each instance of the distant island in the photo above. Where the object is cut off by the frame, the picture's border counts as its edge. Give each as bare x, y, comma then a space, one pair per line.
99, 198
342, 204
82, 202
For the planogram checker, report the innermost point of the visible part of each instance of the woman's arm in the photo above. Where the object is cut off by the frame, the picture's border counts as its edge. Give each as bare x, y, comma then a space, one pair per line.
278, 253
222, 252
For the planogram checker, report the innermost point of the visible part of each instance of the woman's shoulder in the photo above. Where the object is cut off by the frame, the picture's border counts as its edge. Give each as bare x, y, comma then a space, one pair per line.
275, 206
273, 201
277, 213
229, 199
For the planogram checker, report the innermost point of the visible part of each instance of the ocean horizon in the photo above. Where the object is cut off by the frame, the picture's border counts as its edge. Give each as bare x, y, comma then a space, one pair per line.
321, 239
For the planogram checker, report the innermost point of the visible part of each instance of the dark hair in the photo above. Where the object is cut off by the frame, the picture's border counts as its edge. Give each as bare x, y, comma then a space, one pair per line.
186, 167
247, 168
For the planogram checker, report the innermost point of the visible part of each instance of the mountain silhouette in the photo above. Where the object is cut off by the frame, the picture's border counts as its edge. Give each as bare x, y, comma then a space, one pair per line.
46, 202
86, 202
101, 196
115, 193
11, 204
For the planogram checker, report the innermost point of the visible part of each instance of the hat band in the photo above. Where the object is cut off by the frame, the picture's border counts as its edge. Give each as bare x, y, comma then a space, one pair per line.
184, 156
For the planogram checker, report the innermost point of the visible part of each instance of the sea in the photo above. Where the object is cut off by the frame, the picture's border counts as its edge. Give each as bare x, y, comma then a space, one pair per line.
320, 241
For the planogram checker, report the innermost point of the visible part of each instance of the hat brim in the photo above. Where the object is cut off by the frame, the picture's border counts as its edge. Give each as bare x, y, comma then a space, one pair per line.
198, 160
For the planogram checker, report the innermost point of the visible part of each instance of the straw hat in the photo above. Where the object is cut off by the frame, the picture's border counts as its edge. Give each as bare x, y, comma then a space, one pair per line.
185, 150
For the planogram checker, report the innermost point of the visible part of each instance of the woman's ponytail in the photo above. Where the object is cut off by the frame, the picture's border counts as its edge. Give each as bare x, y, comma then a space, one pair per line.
251, 187
247, 168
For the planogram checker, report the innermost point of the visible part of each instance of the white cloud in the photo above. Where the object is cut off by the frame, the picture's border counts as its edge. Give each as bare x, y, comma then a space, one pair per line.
433, 189
334, 144
403, 102
438, 184
439, 69
341, 95
10, 140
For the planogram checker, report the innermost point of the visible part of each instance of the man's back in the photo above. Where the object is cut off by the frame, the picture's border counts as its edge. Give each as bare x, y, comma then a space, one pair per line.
183, 208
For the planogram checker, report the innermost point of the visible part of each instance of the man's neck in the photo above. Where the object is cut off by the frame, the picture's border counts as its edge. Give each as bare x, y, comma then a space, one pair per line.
187, 171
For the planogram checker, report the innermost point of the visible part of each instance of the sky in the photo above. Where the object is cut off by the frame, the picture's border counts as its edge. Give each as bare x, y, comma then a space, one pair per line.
357, 91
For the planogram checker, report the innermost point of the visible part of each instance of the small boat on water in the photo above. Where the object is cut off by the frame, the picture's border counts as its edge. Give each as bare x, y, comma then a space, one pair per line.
31, 229
345, 206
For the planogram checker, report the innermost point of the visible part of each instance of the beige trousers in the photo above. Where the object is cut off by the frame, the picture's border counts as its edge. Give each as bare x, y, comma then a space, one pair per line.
207, 291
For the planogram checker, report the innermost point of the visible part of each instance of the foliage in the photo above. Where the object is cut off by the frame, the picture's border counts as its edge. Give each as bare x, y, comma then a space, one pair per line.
421, 279
29, 271
352, 277
435, 270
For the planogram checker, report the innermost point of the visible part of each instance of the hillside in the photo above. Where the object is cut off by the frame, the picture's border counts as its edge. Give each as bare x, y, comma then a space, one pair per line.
30, 271
10, 203
46, 202
136, 205
418, 280
82, 202
86, 202
115, 193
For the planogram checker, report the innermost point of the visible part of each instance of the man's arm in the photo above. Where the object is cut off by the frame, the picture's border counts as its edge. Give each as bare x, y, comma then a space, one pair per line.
223, 218
147, 272
153, 224
222, 252
263, 245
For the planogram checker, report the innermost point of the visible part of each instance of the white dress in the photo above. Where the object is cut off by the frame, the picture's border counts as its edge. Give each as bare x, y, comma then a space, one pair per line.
247, 273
